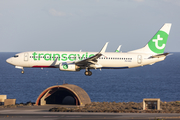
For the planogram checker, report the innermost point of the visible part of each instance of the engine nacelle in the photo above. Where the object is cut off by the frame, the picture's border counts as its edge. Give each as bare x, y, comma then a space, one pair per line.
68, 67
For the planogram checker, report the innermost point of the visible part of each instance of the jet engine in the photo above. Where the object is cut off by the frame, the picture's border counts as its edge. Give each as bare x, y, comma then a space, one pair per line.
68, 67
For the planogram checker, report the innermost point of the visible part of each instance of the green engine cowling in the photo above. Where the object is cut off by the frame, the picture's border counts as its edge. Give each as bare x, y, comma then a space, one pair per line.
68, 67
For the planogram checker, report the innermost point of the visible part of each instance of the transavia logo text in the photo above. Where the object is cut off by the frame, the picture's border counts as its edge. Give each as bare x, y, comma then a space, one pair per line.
62, 57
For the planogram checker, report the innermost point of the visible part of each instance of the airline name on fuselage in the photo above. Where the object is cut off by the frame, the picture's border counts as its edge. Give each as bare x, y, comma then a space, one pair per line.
63, 57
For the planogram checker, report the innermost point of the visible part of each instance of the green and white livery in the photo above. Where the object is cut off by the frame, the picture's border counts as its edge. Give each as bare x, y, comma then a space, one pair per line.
75, 61
158, 43
118, 49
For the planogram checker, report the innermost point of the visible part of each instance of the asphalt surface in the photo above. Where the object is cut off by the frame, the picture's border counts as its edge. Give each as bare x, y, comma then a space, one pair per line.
42, 113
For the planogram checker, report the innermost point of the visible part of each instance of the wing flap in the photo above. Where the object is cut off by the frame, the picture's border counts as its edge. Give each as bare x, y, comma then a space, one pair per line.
93, 59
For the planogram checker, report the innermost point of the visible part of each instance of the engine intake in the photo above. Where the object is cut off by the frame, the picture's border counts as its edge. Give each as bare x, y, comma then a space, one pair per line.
68, 67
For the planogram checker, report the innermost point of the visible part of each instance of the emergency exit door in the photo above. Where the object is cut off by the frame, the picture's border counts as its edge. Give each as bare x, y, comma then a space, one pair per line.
139, 59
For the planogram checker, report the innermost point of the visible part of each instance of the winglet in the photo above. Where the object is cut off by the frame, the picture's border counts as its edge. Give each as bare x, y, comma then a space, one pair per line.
118, 49
104, 48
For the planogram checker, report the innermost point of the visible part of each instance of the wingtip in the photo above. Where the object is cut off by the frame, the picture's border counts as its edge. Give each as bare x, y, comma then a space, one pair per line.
104, 48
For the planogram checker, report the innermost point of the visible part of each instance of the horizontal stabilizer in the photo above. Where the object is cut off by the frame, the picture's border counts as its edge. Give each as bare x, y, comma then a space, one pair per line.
159, 55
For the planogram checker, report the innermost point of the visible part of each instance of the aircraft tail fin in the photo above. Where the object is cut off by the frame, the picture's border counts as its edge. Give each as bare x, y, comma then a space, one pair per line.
157, 44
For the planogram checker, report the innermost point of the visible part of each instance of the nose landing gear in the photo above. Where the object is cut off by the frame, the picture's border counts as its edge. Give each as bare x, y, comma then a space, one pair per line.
22, 71
19, 67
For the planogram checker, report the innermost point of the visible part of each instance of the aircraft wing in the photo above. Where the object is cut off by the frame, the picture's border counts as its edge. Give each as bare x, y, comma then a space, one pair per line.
93, 59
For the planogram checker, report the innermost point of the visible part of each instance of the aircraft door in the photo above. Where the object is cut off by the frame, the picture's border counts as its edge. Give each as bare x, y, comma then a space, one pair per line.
25, 56
139, 59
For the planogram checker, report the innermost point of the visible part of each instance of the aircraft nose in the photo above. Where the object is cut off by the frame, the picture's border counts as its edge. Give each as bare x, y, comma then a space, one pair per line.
9, 60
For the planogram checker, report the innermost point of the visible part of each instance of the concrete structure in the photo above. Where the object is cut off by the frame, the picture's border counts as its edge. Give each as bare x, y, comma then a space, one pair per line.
66, 94
2, 98
151, 103
9, 101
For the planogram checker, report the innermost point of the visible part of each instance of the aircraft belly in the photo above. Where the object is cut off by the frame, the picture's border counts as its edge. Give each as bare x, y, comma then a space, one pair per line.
41, 63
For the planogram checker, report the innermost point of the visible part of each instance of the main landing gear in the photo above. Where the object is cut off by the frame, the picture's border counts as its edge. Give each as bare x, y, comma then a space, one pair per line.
87, 72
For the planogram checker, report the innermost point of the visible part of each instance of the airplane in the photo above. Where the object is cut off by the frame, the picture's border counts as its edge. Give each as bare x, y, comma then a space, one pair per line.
75, 61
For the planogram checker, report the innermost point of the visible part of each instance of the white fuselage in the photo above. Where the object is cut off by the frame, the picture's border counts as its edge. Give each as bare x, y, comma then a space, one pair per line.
109, 60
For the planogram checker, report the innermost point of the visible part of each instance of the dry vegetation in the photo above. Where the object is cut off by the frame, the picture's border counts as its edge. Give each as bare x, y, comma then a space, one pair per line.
17, 105
121, 107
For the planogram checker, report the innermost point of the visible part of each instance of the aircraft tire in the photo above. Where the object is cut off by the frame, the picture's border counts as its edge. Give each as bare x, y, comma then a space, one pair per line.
86, 73
89, 73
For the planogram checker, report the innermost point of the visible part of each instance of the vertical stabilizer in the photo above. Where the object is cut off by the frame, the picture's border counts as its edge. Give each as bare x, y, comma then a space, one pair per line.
158, 43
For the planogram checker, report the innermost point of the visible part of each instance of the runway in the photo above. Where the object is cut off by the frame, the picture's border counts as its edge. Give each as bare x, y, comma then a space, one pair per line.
42, 113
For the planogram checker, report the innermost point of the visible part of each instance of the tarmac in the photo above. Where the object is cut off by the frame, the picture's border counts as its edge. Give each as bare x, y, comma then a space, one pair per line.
42, 113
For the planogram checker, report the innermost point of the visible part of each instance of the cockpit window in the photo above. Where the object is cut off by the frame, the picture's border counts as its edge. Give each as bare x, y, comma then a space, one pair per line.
16, 56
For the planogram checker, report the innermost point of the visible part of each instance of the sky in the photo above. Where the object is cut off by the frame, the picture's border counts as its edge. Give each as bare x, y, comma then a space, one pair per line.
73, 25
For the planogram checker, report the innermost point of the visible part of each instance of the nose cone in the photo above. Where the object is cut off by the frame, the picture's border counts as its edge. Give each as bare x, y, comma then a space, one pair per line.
9, 60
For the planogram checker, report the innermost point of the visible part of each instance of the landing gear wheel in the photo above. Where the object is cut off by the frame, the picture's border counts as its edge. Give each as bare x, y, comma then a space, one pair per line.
22, 72
88, 73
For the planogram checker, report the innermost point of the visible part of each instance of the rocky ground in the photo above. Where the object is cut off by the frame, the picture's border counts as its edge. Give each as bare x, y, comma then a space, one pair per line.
112, 107
121, 107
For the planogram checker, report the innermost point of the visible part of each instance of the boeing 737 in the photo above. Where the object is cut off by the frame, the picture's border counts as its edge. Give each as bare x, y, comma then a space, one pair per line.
75, 61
